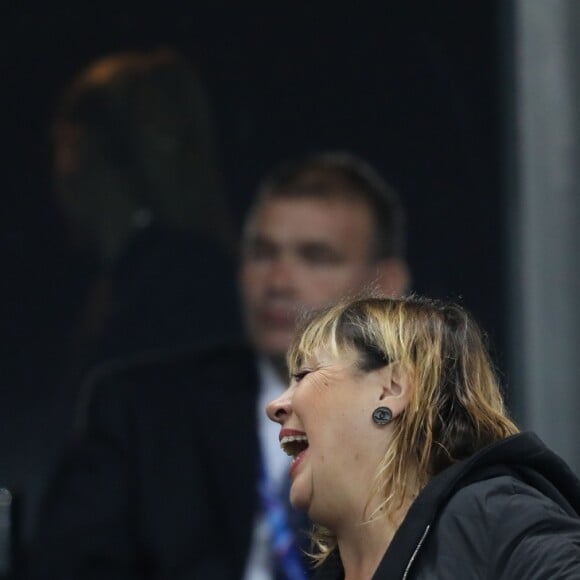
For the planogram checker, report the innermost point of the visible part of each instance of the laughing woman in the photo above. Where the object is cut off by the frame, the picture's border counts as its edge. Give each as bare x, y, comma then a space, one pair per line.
405, 458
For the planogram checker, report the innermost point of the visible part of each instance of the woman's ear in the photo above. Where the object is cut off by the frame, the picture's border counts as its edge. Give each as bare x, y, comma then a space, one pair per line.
397, 387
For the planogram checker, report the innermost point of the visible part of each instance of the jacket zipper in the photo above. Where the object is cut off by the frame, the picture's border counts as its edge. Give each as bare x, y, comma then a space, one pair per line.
414, 555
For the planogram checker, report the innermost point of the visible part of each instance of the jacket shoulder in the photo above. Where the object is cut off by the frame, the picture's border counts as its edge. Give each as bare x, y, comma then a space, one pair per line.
504, 528
170, 365
166, 377
491, 497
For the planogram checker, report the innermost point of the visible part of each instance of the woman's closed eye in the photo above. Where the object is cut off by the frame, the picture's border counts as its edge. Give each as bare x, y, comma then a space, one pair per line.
299, 375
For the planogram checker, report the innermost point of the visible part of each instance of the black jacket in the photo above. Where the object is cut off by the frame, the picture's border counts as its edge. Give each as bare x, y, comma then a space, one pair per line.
510, 512
160, 483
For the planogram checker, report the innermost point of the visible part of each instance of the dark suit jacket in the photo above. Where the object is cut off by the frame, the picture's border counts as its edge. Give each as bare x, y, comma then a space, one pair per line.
160, 482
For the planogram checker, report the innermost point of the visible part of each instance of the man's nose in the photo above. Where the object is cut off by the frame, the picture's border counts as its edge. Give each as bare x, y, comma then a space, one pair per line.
279, 409
282, 273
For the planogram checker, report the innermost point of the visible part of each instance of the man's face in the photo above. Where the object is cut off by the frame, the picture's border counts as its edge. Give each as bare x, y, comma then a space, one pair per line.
301, 253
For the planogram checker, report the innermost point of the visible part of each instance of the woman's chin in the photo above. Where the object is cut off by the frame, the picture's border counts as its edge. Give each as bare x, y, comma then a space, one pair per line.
299, 498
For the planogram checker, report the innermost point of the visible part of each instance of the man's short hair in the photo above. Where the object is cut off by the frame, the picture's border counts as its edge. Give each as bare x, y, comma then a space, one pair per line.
342, 174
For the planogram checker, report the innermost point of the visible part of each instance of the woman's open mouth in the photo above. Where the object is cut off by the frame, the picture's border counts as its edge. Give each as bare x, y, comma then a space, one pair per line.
295, 445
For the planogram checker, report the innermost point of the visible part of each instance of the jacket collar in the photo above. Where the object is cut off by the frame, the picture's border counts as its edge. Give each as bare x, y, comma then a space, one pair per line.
523, 455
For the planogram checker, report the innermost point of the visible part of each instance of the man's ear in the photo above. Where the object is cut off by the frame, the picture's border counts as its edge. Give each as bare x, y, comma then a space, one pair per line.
397, 387
393, 277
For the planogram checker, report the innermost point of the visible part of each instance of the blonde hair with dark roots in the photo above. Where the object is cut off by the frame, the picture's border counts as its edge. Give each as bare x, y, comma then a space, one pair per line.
456, 406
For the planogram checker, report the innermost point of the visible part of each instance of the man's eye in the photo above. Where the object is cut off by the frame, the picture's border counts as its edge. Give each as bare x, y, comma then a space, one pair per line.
321, 255
259, 252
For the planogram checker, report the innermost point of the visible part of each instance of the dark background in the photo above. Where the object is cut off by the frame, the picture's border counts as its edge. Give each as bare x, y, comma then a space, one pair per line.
411, 86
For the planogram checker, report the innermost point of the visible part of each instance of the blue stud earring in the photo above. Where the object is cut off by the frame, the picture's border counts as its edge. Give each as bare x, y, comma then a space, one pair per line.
382, 415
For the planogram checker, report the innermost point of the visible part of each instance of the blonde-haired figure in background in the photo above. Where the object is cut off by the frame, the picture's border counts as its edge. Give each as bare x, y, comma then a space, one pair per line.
137, 176
149, 258
404, 455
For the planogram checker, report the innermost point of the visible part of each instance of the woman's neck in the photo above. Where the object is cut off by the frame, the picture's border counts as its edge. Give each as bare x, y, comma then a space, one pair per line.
363, 545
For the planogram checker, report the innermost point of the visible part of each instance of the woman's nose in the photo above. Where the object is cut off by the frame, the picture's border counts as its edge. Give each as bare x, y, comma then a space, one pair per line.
279, 409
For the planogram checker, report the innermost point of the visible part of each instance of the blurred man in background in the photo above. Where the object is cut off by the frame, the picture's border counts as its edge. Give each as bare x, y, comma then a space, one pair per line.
175, 471
138, 181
